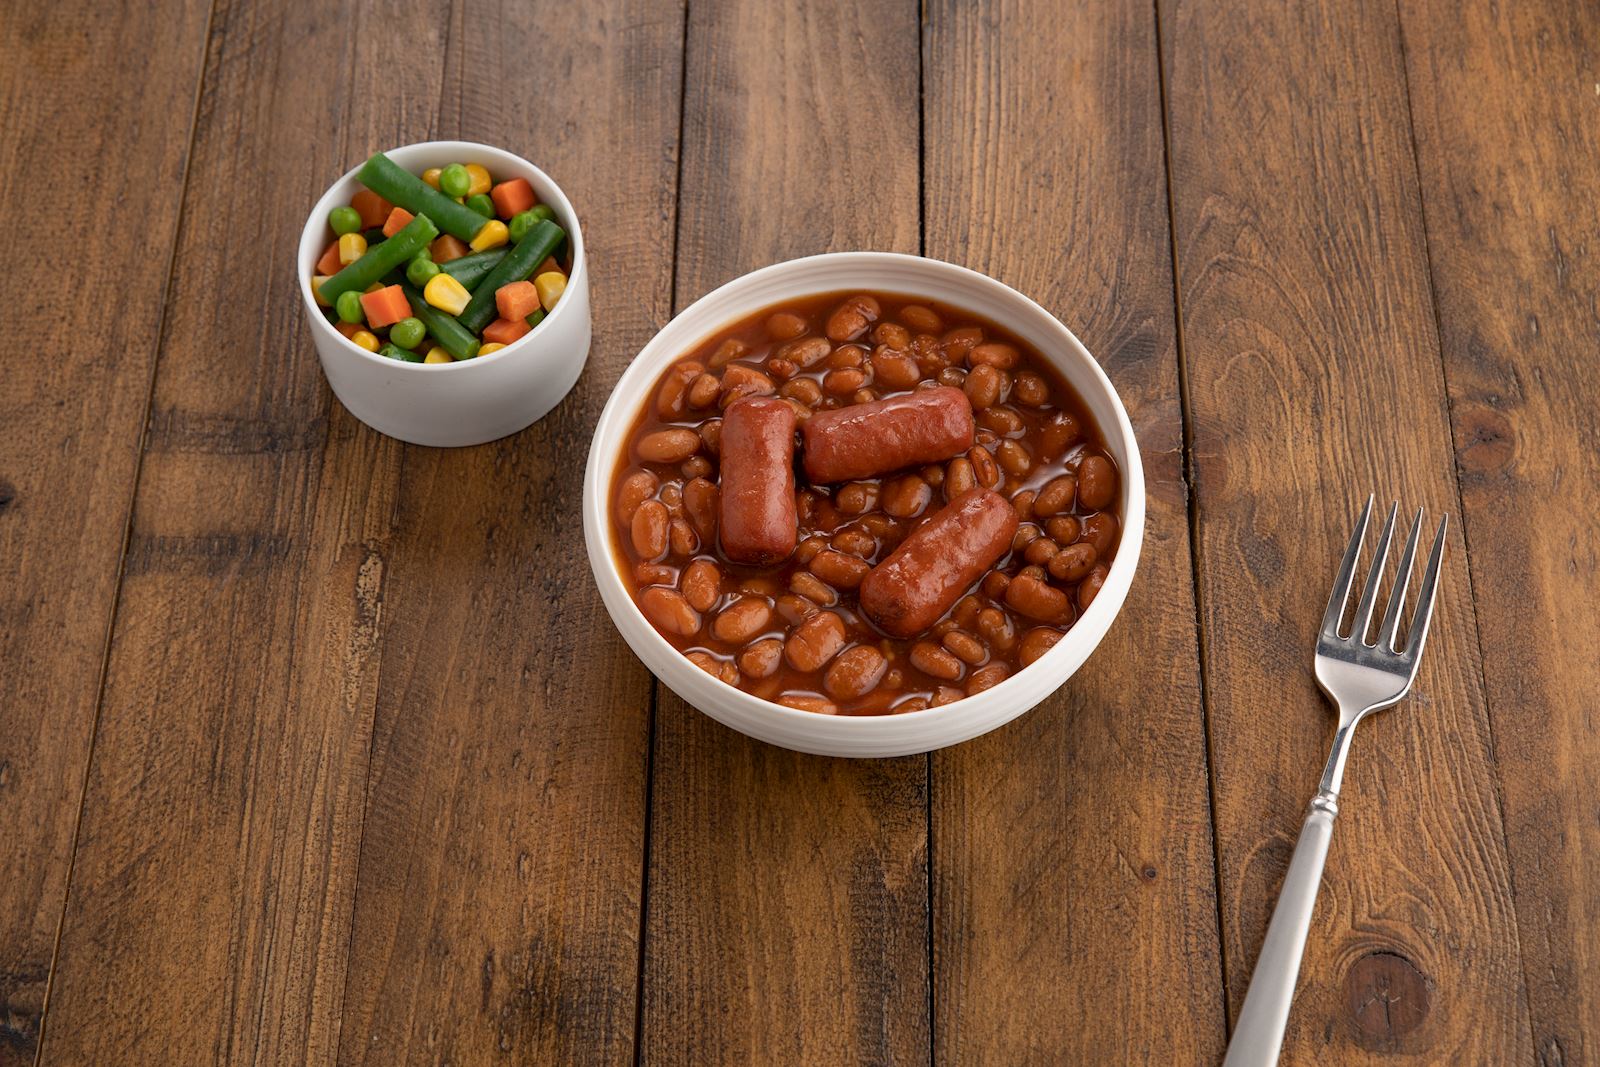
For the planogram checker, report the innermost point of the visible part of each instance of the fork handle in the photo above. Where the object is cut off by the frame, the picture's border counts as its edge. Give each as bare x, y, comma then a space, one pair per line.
1259, 1033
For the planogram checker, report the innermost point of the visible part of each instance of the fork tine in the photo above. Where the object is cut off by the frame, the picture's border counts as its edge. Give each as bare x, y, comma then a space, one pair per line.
1347, 572
1425, 593
1369, 593
1390, 625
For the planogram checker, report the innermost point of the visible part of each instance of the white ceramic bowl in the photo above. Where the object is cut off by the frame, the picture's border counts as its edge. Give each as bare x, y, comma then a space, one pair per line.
877, 735
475, 400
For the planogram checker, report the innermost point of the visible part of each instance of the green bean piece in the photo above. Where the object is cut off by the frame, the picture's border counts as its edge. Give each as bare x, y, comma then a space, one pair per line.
482, 205
344, 219
396, 352
407, 333
348, 307
400, 187
469, 270
451, 335
381, 259
536, 317
524, 257
420, 269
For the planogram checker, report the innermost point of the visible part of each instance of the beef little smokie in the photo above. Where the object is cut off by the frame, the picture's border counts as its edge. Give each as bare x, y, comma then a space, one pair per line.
864, 503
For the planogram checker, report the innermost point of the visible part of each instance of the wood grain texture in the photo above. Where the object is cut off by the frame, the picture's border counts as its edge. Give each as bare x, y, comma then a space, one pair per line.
1072, 849
1505, 103
497, 908
72, 410
209, 914
787, 915
1314, 376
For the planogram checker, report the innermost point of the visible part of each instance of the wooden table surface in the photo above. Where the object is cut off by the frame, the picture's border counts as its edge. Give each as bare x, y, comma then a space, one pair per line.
318, 747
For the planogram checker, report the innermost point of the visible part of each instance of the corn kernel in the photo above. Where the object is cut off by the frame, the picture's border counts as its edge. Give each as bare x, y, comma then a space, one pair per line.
493, 234
366, 339
352, 246
437, 355
446, 294
480, 179
492, 346
431, 176
551, 284
316, 289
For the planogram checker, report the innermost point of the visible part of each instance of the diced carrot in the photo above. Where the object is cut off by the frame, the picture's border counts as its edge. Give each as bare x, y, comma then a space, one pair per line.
329, 264
373, 208
447, 248
504, 331
516, 301
385, 307
549, 265
512, 197
396, 221
349, 329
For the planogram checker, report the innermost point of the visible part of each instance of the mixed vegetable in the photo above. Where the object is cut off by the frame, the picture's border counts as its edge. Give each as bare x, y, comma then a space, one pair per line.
442, 267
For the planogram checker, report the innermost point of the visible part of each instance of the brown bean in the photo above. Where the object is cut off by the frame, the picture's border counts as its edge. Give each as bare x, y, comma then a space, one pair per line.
1035, 599
892, 334
767, 587
668, 446
984, 467
1058, 435
727, 352
1013, 456
846, 356
994, 354
851, 318
814, 642
995, 626
855, 673
654, 574
856, 498
1040, 550
958, 477
880, 526
986, 678
741, 620
761, 659
911, 704
700, 508
807, 550
966, 610
983, 387
781, 369
1072, 563
704, 390
933, 474
635, 489
843, 382
672, 496
958, 343
954, 377
1063, 528
1023, 502
1036, 642
1029, 389
681, 539
785, 325
669, 612
921, 319
1100, 530
711, 436
649, 530
805, 352
906, 496
674, 386
707, 662
1090, 587
966, 647
856, 542
946, 695
934, 661
813, 588
695, 466
894, 370
1056, 496
1026, 534
839, 570
807, 702
1097, 483
1001, 420
740, 381
701, 584
1032, 570
793, 609
994, 585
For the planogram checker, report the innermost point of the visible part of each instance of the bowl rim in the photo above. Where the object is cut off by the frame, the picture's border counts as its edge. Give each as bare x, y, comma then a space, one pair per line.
319, 218
639, 376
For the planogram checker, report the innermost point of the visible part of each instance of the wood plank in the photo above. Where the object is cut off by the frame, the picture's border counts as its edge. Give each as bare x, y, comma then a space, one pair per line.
1313, 370
787, 912
1072, 849
1504, 99
72, 411
497, 908
209, 913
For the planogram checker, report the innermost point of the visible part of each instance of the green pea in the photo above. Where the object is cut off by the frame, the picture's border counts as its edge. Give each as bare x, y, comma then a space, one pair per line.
454, 180
482, 205
349, 307
407, 333
420, 269
540, 212
520, 224
344, 220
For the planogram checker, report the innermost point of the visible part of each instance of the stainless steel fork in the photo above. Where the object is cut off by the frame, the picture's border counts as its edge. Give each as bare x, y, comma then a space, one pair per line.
1359, 678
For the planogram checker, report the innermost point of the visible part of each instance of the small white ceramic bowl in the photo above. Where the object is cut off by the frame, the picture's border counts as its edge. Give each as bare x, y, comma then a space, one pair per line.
475, 400
875, 735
